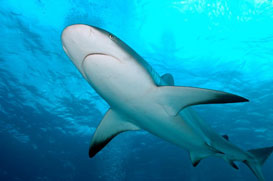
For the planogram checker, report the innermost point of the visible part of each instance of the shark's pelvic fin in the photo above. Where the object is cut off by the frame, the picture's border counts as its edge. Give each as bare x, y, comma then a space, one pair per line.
167, 79
195, 159
111, 125
233, 165
231, 162
174, 99
197, 156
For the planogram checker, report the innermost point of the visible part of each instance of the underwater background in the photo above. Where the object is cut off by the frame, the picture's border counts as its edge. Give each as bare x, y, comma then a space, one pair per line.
48, 112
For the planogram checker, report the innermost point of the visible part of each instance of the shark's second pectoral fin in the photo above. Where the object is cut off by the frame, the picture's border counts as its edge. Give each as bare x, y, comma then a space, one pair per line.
167, 79
174, 99
111, 125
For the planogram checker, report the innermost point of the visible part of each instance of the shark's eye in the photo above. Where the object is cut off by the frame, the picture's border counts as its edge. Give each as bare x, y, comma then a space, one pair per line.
111, 36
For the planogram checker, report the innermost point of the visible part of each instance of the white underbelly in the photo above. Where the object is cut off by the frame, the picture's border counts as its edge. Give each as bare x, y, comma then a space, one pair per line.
128, 88
154, 119
116, 81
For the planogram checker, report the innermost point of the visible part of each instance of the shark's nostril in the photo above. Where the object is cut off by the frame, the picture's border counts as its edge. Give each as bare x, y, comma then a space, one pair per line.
90, 32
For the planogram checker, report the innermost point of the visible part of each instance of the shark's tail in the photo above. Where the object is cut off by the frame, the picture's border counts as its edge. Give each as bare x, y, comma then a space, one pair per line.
256, 163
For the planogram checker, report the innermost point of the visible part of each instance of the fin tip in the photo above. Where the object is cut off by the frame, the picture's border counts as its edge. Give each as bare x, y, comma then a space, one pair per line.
242, 99
194, 164
232, 98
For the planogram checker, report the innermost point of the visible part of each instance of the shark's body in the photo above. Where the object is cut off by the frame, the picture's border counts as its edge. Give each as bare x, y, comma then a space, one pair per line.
140, 99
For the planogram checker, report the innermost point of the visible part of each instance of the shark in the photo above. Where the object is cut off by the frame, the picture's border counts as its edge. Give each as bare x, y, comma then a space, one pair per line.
141, 99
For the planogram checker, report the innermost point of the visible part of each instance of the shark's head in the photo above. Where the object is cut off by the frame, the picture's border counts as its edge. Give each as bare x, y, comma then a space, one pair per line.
80, 41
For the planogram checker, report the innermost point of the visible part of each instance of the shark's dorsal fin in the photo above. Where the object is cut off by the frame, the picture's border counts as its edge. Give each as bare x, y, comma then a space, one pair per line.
174, 99
167, 79
226, 137
111, 125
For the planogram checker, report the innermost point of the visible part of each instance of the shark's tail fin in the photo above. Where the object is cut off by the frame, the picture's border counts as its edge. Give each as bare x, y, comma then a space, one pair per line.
256, 163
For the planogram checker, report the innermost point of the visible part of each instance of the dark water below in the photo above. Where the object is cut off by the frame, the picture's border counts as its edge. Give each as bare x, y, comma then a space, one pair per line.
48, 112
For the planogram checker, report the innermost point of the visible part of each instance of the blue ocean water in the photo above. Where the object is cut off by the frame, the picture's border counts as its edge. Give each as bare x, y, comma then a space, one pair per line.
48, 112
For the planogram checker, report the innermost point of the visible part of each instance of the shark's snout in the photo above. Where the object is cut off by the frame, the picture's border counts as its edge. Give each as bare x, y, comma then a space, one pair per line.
73, 32
77, 41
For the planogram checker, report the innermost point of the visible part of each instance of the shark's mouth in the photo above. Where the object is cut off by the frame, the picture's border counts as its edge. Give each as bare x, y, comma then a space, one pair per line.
103, 54
87, 58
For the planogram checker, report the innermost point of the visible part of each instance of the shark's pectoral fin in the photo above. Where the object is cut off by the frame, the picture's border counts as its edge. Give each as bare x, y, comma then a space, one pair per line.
111, 125
167, 79
174, 99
